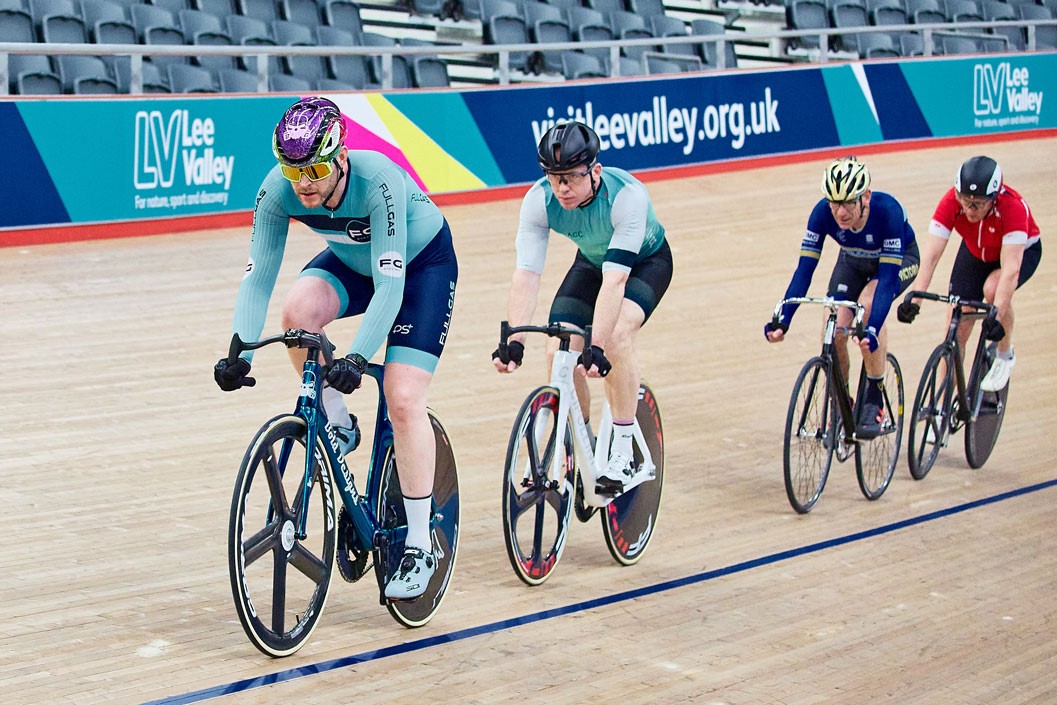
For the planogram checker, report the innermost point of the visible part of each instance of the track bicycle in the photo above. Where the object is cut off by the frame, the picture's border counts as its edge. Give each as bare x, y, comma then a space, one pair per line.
289, 527
947, 400
822, 417
552, 461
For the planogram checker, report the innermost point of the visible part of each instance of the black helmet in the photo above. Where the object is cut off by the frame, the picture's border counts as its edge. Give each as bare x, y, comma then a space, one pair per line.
567, 146
979, 176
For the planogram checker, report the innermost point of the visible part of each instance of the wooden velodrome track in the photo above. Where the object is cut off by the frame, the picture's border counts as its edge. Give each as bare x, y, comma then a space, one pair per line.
118, 455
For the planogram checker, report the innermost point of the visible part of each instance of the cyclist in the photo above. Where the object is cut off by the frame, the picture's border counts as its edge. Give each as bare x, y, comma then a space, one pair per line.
1000, 251
388, 255
622, 268
878, 259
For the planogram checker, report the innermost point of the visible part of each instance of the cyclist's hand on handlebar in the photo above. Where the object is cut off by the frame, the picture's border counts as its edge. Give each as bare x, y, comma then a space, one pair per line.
908, 311
868, 341
507, 358
594, 359
993, 329
346, 373
230, 376
774, 332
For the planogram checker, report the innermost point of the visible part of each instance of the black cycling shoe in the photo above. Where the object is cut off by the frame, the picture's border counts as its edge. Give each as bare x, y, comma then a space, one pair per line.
870, 422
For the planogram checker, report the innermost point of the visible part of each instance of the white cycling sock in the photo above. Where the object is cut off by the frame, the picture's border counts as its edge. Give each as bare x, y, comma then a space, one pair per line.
623, 431
334, 405
1006, 354
417, 510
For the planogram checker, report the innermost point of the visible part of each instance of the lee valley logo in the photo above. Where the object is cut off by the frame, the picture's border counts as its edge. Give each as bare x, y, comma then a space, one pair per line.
1002, 96
165, 143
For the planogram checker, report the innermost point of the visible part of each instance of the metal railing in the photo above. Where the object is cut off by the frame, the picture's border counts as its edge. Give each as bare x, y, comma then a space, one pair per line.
261, 53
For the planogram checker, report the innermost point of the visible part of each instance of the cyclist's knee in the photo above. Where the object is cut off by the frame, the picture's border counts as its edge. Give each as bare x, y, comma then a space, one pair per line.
310, 304
405, 392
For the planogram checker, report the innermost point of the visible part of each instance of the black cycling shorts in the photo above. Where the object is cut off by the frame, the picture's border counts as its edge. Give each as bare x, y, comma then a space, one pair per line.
969, 273
575, 300
852, 274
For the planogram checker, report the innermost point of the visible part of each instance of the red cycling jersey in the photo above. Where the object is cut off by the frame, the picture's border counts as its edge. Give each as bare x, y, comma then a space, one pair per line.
1009, 223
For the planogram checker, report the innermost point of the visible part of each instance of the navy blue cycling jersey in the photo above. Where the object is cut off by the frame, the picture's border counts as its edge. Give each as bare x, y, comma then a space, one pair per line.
884, 239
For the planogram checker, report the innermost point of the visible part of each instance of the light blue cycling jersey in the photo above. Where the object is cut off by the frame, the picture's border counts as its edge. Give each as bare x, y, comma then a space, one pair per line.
382, 223
616, 230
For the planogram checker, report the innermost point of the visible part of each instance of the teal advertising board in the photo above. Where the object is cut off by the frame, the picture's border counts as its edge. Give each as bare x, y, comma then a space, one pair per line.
129, 159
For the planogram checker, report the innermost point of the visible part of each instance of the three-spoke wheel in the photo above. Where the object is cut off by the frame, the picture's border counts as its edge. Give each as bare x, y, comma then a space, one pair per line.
281, 539
931, 415
536, 509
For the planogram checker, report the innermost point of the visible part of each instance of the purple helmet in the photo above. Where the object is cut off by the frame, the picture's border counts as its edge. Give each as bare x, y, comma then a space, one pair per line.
311, 131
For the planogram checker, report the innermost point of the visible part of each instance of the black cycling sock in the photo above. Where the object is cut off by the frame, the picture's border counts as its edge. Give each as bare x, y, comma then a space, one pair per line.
875, 390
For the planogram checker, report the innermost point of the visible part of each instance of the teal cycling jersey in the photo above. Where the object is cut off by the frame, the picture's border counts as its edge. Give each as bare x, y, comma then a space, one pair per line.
616, 230
382, 222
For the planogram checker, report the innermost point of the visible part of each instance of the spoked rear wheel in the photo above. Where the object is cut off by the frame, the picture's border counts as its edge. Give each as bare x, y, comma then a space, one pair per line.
930, 416
444, 524
809, 437
987, 409
280, 579
876, 459
535, 511
629, 521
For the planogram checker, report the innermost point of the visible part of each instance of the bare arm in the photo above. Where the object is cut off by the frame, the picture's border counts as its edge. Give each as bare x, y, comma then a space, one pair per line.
931, 251
521, 304
607, 306
1012, 256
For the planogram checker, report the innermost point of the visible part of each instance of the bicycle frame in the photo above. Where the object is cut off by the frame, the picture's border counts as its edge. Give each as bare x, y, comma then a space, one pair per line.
839, 385
960, 311
309, 407
589, 457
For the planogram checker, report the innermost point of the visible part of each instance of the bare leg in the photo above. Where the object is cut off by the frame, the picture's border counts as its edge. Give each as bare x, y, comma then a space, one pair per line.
1005, 315
622, 383
405, 393
310, 305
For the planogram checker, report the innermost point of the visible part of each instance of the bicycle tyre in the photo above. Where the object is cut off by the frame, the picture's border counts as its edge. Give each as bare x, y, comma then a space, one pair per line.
630, 520
987, 410
445, 529
935, 391
876, 459
268, 595
810, 436
536, 516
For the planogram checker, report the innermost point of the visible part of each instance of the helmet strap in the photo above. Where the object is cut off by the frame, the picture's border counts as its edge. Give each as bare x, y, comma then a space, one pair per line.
337, 182
595, 187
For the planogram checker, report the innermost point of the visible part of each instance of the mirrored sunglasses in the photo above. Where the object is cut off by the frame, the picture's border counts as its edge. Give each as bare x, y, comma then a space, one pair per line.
314, 172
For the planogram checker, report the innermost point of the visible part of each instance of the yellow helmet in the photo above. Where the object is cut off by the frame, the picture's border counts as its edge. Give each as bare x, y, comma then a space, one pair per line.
846, 179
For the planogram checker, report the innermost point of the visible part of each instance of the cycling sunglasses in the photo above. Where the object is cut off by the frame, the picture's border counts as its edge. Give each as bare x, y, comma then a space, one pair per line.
314, 172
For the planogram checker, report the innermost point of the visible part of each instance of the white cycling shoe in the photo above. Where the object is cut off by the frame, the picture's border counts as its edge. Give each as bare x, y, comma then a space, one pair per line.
617, 474
412, 575
998, 376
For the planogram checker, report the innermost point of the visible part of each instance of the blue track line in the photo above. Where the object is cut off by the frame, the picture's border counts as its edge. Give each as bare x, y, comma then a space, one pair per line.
429, 642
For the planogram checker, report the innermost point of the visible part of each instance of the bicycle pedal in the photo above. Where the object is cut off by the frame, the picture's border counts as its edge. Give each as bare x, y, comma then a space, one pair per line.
608, 488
